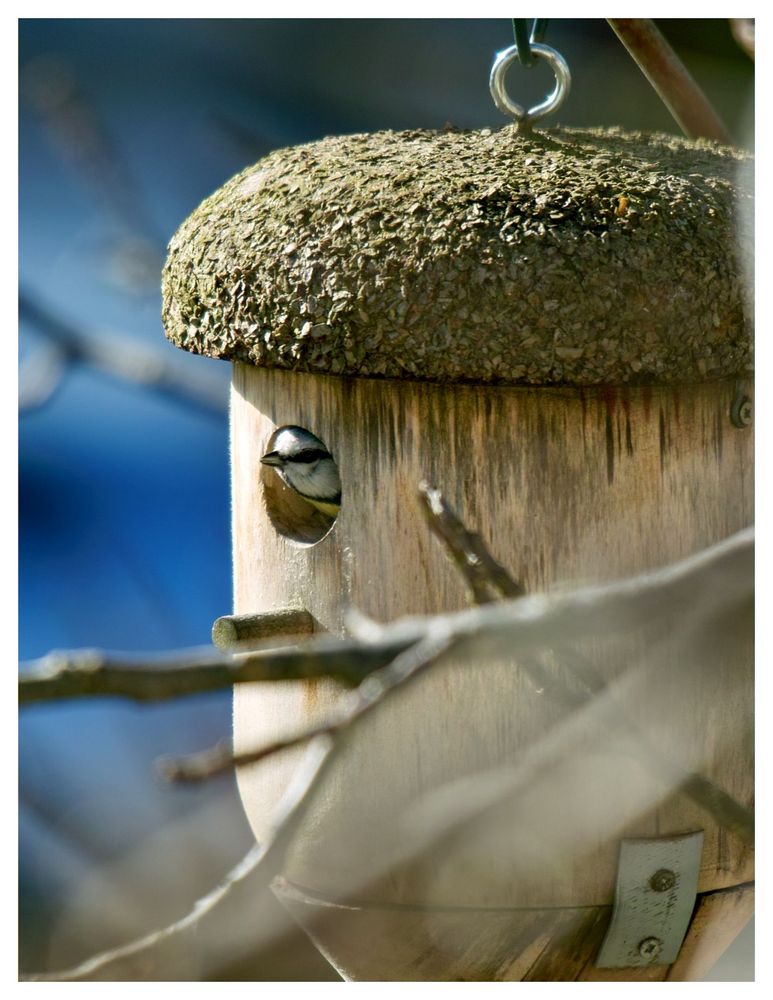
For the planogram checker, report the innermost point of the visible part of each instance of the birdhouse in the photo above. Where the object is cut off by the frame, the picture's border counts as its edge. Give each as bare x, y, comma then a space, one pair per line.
552, 328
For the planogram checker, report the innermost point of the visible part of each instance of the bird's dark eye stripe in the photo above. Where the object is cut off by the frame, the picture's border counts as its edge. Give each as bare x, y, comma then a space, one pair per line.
310, 455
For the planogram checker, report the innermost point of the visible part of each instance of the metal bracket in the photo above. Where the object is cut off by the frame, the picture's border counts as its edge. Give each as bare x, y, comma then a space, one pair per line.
657, 881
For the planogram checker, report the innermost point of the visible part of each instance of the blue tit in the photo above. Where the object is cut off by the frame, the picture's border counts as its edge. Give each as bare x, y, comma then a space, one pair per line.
307, 467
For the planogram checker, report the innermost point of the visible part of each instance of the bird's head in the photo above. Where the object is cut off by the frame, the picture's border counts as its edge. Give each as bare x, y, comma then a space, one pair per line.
305, 465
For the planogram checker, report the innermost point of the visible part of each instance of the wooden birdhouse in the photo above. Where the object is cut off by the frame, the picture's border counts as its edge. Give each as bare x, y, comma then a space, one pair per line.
553, 329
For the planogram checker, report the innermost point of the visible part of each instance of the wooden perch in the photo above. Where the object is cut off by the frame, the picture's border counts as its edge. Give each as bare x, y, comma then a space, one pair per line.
230, 632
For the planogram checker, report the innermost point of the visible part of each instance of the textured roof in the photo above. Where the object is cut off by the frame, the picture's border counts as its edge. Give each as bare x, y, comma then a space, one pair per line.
563, 257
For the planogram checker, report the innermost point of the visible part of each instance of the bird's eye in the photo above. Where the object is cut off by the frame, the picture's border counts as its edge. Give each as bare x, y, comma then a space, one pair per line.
310, 455
302, 495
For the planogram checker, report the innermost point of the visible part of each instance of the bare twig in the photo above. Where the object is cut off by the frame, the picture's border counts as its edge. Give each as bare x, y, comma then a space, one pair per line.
50, 88
220, 759
713, 579
113, 957
725, 810
674, 85
269, 856
528, 798
41, 371
580, 681
216, 760
583, 681
123, 358
576, 681
487, 579
718, 578
91, 673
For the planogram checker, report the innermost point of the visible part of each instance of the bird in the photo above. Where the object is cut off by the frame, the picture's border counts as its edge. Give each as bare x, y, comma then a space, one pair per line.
305, 465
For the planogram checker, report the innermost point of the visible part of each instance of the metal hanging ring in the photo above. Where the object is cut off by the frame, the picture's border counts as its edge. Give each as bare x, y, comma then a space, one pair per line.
509, 107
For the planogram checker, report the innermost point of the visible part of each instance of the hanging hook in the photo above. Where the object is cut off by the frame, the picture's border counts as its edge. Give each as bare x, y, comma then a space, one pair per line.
554, 100
525, 38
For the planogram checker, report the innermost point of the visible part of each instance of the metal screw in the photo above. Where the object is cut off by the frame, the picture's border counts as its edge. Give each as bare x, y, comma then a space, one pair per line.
663, 880
650, 948
741, 411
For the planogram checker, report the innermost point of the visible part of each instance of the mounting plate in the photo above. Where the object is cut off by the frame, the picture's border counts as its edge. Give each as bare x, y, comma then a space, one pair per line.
657, 881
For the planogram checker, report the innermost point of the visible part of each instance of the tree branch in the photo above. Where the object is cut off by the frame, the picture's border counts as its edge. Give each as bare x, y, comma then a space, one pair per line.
269, 857
715, 578
220, 759
725, 810
93, 673
487, 579
576, 681
121, 357
266, 856
718, 578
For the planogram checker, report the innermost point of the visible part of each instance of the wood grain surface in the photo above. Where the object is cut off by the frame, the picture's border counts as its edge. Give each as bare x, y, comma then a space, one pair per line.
566, 486
534, 945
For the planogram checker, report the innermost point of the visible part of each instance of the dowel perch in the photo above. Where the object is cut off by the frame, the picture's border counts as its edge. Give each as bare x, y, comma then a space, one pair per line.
231, 631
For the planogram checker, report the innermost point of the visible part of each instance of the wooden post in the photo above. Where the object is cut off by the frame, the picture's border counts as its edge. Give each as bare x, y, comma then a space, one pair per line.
587, 285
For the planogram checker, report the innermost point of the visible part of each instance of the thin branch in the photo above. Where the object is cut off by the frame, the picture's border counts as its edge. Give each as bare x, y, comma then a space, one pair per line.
487, 579
583, 681
41, 371
719, 577
220, 759
726, 811
94, 673
575, 680
716, 578
124, 358
269, 856
672, 82
51, 89
101, 962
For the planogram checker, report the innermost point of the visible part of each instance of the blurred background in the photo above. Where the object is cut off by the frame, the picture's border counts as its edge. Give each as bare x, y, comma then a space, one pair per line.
125, 126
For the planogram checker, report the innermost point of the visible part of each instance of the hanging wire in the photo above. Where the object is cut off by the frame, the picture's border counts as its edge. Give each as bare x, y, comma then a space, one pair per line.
524, 37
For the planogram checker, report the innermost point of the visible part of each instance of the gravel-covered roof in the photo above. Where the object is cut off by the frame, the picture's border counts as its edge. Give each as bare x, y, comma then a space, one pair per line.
560, 257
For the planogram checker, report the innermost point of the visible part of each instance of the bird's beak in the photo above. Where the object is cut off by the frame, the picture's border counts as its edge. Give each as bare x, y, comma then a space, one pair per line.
271, 458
